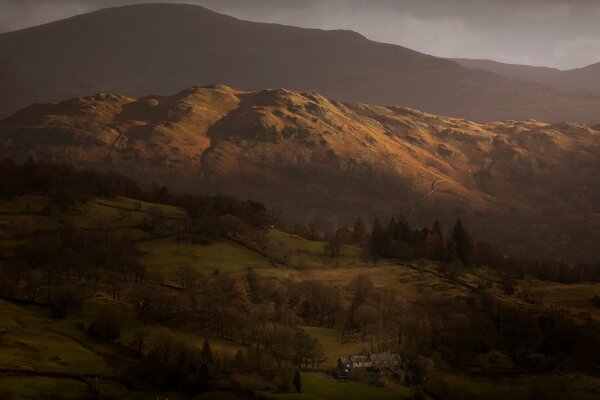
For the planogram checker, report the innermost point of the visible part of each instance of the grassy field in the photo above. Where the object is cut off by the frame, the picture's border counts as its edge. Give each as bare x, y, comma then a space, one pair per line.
191, 338
576, 298
334, 348
30, 340
167, 256
28, 344
27, 388
27, 204
122, 212
547, 387
33, 343
311, 254
13, 316
217, 396
40, 350
317, 386
407, 282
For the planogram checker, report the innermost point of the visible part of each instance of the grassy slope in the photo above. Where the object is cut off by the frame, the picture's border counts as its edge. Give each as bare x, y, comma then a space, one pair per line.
40, 350
166, 256
28, 339
28, 344
334, 348
320, 387
24, 388
550, 387
311, 254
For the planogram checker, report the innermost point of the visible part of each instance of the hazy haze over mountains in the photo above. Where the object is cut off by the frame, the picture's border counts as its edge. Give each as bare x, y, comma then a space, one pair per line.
144, 49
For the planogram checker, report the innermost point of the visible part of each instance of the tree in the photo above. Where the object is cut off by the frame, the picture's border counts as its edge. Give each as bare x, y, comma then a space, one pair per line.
206, 353
509, 284
124, 213
140, 336
359, 232
155, 220
64, 300
106, 325
162, 195
360, 287
437, 228
463, 244
333, 244
115, 287
377, 237
232, 225
297, 382
66, 198
11, 184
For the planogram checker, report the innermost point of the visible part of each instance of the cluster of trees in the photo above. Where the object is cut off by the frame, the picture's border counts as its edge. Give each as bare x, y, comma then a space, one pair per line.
213, 217
208, 217
450, 331
64, 268
267, 317
250, 311
454, 248
174, 364
163, 359
399, 240
556, 270
65, 182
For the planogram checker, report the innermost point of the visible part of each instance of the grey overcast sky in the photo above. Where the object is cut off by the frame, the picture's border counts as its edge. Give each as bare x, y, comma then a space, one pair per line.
555, 33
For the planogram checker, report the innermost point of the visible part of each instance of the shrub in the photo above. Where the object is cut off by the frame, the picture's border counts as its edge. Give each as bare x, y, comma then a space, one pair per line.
106, 325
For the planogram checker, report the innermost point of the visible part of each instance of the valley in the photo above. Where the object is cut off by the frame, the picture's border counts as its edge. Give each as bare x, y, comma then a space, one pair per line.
44, 353
299, 200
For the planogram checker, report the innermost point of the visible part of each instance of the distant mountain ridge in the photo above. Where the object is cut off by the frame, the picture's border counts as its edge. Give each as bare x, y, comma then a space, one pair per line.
531, 185
163, 48
585, 79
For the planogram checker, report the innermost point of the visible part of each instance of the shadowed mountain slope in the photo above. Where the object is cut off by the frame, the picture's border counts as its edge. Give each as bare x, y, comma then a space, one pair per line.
530, 184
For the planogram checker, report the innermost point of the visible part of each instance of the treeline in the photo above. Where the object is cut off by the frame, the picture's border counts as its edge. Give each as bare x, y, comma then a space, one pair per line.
65, 268
208, 217
66, 183
264, 316
267, 315
455, 248
398, 240
452, 331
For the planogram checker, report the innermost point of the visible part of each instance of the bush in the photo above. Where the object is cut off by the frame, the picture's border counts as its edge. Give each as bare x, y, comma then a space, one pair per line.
106, 325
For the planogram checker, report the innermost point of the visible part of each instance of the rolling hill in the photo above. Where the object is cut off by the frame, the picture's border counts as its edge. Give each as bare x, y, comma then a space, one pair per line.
46, 355
160, 48
529, 185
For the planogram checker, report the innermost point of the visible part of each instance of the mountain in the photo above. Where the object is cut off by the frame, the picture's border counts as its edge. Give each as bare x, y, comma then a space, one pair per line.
528, 72
583, 79
586, 78
160, 48
530, 184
